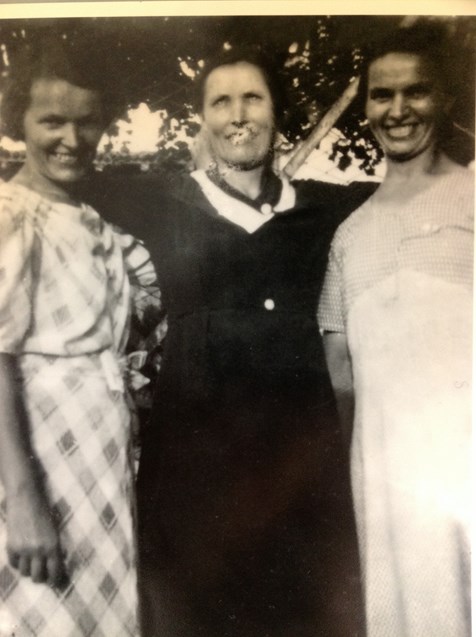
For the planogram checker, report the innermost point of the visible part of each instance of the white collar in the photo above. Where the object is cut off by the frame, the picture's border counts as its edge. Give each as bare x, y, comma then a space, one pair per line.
239, 212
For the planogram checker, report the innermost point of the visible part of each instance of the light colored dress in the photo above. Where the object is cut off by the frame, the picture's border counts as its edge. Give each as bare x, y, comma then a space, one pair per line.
65, 286
399, 284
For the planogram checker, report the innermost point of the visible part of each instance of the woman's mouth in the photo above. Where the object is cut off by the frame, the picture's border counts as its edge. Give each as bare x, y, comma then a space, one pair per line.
400, 131
241, 136
67, 159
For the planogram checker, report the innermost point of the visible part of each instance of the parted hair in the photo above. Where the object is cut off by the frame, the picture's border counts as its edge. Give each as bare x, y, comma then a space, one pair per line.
255, 56
53, 58
427, 39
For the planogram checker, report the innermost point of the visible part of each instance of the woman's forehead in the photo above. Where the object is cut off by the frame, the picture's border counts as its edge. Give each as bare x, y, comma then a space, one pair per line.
396, 68
54, 94
239, 75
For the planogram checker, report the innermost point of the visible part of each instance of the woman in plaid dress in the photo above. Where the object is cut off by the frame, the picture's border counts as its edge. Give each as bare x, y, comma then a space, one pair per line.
67, 558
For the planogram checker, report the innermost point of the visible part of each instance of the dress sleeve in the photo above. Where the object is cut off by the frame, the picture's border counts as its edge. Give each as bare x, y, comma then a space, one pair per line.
18, 247
331, 313
148, 317
146, 296
148, 325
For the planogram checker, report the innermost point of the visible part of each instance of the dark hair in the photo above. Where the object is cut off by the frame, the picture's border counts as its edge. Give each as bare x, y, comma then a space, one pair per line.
256, 56
54, 58
429, 40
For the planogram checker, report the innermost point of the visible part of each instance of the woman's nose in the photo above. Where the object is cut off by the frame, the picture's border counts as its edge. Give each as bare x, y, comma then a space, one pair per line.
238, 114
70, 136
398, 106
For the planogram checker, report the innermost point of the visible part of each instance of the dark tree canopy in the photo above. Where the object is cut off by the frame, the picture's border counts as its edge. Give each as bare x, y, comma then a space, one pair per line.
317, 55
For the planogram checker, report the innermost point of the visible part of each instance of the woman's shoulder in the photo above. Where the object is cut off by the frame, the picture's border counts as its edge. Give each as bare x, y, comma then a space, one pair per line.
9, 191
357, 224
17, 200
462, 176
453, 197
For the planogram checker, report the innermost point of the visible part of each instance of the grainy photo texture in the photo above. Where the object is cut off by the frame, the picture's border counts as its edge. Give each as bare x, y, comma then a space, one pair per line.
236, 261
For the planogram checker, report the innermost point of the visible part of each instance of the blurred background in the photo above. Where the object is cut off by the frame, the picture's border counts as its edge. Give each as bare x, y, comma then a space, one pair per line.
157, 59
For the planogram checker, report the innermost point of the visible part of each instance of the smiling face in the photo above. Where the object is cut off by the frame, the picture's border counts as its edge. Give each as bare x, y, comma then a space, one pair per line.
62, 128
238, 115
404, 105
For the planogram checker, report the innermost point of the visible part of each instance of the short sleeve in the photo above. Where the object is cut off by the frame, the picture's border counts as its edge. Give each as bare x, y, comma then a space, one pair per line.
17, 257
331, 313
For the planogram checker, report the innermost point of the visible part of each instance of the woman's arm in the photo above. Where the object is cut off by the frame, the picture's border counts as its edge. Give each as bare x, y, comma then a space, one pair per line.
340, 369
32, 539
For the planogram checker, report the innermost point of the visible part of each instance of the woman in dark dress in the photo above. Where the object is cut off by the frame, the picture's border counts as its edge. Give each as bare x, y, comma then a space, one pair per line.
245, 521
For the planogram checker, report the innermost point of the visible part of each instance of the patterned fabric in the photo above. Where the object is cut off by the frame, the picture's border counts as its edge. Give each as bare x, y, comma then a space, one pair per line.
399, 284
65, 285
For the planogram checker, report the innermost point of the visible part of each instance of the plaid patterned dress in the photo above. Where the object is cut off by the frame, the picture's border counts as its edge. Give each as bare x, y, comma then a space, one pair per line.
65, 285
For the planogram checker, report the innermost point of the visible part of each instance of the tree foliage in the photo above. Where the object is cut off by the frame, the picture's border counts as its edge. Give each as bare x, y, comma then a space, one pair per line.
155, 58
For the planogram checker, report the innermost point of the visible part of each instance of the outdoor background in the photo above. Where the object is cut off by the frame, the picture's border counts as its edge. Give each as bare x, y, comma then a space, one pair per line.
157, 59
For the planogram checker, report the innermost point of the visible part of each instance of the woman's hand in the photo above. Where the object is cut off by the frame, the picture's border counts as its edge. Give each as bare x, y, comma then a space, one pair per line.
32, 539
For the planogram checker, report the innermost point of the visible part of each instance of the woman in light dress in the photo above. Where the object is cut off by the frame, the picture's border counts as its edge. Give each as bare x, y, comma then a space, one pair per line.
397, 311
67, 556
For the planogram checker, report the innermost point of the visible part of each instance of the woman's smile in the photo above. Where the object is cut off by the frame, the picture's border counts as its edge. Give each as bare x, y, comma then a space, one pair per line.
238, 114
62, 127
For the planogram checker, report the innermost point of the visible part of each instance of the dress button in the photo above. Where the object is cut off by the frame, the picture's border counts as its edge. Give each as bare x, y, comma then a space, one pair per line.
266, 209
269, 304
428, 228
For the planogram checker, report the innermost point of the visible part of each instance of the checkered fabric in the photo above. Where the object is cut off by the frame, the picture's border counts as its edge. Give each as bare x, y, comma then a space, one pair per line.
399, 285
375, 242
64, 302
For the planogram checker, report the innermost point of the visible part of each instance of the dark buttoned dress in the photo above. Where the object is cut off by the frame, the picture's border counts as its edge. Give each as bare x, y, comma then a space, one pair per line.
245, 520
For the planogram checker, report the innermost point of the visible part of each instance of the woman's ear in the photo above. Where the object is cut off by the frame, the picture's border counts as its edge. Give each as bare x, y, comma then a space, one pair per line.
448, 103
200, 149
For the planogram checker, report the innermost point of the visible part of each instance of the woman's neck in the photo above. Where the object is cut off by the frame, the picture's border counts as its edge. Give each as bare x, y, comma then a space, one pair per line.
45, 187
404, 180
429, 163
248, 182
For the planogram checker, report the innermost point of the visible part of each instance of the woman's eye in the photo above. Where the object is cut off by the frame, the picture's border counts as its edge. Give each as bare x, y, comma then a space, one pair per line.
418, 95
220, 101
91, 124
52, 122
380, 96
419, 91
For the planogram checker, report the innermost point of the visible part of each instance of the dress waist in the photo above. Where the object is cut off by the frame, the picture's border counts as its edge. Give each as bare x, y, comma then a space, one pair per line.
119, 371
266, 306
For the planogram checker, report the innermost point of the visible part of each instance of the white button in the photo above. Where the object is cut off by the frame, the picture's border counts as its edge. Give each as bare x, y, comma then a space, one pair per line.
266, 209
430, 227
269, 304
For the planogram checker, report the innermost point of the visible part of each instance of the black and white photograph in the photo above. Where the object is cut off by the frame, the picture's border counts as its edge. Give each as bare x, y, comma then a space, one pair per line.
236, 319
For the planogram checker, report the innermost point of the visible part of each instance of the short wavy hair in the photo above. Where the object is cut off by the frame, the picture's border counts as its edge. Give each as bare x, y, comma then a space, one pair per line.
257, 57
428, 40
53, 58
